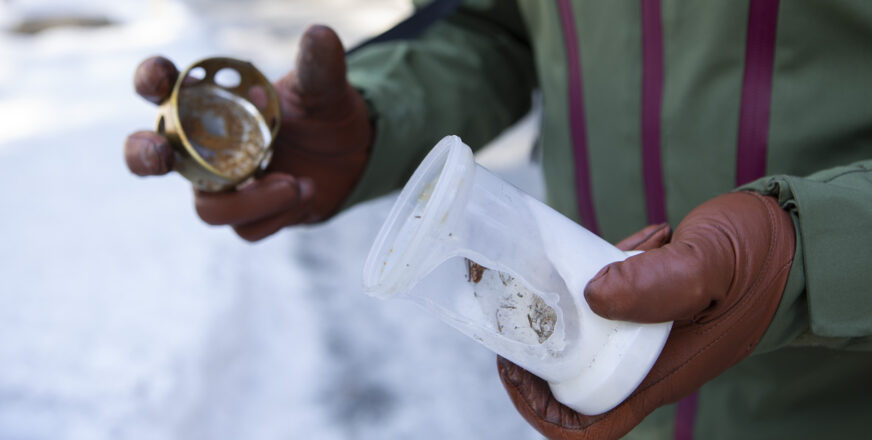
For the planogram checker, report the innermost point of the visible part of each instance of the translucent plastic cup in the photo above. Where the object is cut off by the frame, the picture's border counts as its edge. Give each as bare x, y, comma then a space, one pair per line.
509, 272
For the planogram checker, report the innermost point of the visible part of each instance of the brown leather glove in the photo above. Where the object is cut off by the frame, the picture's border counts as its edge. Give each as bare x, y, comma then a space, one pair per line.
319, 153
720, 279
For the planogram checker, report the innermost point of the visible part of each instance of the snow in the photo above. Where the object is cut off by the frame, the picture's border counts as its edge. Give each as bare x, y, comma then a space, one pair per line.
122, 316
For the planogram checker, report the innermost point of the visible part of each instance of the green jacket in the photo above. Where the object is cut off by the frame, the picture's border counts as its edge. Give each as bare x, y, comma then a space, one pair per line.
649, 110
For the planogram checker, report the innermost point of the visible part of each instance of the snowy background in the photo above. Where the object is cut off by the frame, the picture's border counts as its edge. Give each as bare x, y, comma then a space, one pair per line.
124, 317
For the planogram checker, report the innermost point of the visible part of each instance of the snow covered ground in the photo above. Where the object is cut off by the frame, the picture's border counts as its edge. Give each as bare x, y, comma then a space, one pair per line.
124, 317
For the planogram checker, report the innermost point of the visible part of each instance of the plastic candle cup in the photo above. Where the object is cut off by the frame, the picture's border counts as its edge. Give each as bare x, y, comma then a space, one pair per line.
509, 272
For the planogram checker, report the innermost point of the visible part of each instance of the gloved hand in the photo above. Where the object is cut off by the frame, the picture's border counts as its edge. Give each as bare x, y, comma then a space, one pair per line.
720, 278
318, 156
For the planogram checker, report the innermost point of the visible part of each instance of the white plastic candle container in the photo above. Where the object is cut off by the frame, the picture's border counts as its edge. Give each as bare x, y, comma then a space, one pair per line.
509, 271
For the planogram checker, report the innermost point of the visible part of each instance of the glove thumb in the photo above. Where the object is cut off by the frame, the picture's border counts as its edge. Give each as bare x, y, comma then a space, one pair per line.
674, 282
320, 67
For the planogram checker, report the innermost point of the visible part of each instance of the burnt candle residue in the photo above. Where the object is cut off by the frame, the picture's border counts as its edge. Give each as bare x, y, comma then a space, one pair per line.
513, 308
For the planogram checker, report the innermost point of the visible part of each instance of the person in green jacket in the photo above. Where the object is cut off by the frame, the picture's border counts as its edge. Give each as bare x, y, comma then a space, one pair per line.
748, 124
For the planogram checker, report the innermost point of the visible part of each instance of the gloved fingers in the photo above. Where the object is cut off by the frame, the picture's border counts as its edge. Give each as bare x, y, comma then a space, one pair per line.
318, 87
263, 228
265, 197
320, 62
154, 79
531, 395
533, 399
673, 282
148, 154
651, 237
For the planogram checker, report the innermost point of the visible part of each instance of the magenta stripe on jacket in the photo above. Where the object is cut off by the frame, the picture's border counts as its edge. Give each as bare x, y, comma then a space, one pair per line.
753, 136
578, 129
652, 162
756, 91
652, 103
685, 416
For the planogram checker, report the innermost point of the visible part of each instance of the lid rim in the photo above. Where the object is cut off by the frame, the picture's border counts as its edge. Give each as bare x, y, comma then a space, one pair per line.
384, 280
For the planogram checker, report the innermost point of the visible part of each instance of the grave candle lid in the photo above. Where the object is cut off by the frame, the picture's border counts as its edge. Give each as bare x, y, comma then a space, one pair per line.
221, 119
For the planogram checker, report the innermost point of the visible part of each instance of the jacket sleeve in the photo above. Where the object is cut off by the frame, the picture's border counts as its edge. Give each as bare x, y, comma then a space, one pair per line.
471, 74
828, 297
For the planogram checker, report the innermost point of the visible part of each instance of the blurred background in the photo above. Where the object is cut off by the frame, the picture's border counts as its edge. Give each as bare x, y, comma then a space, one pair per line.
122, 316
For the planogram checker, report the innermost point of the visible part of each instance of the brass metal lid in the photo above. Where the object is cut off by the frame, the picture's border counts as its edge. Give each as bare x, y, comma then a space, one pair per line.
221, 130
